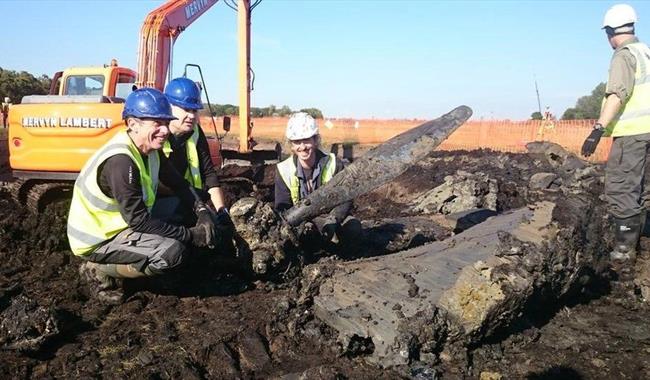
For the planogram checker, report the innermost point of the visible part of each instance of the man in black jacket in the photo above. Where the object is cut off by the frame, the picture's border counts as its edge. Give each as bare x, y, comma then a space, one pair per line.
110, 223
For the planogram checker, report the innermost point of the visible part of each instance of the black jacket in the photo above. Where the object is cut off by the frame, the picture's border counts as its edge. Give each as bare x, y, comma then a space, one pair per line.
119, 178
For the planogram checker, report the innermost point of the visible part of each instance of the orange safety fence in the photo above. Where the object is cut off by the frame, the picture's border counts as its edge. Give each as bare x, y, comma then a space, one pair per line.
512, 136
498, 135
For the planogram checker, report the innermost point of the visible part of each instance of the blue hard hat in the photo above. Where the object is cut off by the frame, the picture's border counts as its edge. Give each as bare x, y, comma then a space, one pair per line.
147, 103
184, 93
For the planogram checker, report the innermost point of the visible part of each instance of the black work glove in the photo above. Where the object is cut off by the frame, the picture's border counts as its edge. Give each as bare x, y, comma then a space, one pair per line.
201, 236
590, 144
203, 220
225, 230
222, 219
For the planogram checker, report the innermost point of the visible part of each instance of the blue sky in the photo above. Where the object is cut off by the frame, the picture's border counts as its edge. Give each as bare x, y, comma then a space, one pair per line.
360, 59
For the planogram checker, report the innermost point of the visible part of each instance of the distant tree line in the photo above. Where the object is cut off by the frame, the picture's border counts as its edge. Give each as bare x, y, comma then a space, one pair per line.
16, 84
587, 107
270, 111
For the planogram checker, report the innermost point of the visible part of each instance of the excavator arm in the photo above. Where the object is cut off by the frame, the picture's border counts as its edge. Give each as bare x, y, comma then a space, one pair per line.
160, 29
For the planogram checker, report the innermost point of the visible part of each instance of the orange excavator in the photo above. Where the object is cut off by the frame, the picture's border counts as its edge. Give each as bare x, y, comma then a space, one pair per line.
51, 136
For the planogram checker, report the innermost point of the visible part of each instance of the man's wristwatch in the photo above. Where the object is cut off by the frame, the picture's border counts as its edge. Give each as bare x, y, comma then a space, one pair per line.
598, 127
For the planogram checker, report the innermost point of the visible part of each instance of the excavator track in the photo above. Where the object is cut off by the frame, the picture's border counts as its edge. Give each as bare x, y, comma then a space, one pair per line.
36, 195
16, 190
41, 195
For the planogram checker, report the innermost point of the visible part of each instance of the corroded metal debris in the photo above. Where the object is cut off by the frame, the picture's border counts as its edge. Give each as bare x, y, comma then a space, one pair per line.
379, 166
415, 304
462, 289
261, 236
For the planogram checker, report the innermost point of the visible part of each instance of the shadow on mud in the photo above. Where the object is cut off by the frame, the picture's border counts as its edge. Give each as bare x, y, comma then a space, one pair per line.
539, 311
383, 235
204, 277
556, 373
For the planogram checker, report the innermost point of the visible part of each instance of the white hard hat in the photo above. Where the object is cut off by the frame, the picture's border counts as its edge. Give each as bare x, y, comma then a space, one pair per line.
301, 126
619, 15
7, 99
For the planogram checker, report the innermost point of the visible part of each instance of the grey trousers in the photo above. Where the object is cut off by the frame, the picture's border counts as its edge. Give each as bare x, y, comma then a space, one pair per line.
625, 175
148, 253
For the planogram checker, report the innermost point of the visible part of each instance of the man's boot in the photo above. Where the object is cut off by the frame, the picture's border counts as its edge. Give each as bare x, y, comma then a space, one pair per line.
626, 239
102, 286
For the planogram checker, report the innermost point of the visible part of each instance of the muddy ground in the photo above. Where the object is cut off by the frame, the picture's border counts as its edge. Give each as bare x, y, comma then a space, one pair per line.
210, 323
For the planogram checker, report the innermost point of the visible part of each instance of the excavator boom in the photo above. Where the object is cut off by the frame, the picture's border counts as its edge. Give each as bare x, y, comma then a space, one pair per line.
159, 32
160, 29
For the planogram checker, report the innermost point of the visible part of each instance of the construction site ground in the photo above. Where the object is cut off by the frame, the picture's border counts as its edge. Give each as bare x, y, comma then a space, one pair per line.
213, 323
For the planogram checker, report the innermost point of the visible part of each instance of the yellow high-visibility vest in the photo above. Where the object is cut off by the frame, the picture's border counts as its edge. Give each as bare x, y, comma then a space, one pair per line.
94, 217
193, 172
288, 172
634, 117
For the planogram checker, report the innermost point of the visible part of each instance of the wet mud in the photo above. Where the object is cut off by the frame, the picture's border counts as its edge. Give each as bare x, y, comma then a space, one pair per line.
213, 322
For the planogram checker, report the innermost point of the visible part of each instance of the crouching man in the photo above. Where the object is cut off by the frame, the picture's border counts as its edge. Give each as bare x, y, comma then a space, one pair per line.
187, 149
110, 224
306, 170
188, 152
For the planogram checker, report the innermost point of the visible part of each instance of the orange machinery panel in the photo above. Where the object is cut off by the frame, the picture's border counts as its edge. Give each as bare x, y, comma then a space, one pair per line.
60, 137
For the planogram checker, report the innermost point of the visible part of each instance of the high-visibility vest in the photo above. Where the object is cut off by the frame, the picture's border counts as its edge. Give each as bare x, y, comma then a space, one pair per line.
634, 117
193, 170
288, 172
94, 217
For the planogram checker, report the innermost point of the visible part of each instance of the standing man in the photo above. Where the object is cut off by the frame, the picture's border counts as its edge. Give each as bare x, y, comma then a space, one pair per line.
5, 111
625, 115
110, 224
187, 146
306, 170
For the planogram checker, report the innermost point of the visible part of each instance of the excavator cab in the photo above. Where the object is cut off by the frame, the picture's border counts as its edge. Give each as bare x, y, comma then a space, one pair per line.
84, 85
124, 85
111, 81
81, 113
